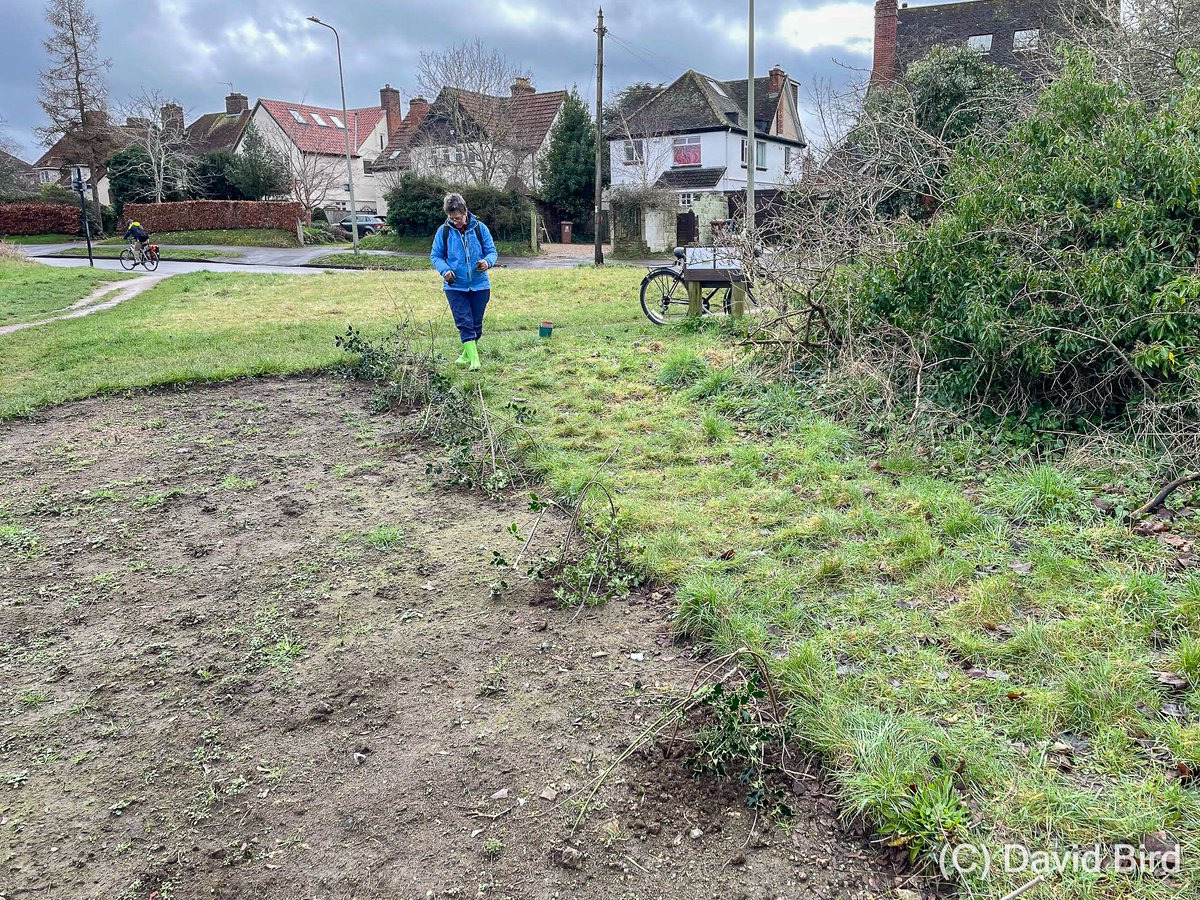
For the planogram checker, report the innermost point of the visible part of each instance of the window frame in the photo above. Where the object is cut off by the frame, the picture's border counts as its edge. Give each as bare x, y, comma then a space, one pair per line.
634, 152
687, 140
1031, 43
980, 43
691, 198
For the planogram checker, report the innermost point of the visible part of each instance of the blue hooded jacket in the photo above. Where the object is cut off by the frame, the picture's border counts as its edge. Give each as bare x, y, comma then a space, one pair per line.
460, 251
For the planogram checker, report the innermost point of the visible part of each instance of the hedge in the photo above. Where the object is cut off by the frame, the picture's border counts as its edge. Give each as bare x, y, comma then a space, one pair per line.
39, 218
193, 215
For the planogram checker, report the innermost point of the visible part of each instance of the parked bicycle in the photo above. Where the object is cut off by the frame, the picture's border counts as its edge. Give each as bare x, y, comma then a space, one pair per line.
130, 257
665, 298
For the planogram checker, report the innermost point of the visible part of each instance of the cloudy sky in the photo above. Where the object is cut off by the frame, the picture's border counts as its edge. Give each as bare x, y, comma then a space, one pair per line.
194, 49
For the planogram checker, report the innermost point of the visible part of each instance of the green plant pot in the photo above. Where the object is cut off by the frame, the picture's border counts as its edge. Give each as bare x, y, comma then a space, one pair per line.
545, 328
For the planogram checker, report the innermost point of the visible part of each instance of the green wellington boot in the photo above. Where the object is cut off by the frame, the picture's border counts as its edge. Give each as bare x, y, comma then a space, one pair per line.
474, 355
468, 354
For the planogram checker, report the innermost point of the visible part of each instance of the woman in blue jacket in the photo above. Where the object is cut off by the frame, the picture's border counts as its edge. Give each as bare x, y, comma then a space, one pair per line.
462, 253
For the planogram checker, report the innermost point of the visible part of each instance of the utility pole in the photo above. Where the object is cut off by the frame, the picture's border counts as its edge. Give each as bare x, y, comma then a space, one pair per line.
751, 147
600, 31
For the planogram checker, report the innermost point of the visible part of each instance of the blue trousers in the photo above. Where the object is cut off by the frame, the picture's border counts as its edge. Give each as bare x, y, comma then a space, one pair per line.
467, 308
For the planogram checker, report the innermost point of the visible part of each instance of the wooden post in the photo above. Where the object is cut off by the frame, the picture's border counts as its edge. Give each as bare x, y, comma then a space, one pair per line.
694, 298
533, 235
739, 299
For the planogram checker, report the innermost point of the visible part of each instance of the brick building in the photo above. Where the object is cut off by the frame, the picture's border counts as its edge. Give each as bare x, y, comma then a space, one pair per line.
1009, 33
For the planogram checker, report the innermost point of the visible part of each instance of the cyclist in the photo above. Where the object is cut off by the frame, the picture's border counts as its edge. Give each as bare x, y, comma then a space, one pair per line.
135, 233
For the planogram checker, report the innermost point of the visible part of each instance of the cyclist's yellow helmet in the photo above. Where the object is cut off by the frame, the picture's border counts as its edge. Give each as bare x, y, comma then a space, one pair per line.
138, 224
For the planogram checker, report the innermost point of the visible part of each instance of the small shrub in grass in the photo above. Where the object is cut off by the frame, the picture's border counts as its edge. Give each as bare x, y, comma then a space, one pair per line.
1101, 694
715, 382
383, 537
682, 366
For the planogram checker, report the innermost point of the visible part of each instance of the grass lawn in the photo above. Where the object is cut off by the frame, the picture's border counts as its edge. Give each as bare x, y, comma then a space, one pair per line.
409, 244
40, 238
971, 646
29, 290
179, 254
234, 237
374, 261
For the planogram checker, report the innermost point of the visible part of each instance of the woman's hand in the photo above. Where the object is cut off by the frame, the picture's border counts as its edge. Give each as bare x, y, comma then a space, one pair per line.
448, 276
482, 265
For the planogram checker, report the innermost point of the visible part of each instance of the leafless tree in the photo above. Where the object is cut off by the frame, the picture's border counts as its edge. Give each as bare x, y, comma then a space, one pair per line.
155, 122
73, 91
1136, 43
313, 176
14, 181
469, 130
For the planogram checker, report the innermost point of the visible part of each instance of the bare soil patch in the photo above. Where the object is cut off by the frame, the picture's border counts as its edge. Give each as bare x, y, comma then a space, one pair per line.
247, 649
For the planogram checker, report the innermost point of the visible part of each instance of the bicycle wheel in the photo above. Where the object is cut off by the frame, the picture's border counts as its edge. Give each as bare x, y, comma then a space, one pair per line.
127, 260
150, 260
664, 296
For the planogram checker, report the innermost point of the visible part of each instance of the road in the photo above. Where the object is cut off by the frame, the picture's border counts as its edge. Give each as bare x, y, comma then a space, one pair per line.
293, 260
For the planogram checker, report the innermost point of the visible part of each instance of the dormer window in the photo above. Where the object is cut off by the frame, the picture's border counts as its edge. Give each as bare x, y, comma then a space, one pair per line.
634, 153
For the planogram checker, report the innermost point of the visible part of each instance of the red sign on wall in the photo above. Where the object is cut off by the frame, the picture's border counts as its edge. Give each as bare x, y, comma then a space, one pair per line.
687, 155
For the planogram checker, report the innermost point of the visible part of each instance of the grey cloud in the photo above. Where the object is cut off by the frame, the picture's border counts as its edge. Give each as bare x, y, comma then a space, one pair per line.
265, 48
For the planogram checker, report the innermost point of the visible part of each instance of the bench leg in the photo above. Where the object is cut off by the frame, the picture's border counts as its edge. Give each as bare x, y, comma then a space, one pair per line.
694, 298
739, 299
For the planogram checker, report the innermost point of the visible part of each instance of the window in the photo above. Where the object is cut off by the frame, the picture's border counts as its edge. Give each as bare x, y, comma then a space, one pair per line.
686, 198
47, 175
789, 159
395, 153
1026, 41
980, 42
473, 156
336, 121
686, 150
760, 154
299, 118
458, 154
317, 118
634, 153
445, 154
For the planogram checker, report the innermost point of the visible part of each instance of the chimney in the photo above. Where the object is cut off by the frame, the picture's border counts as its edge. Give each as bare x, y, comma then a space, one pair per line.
883, 65
775, 79
172, 118
236, 103
522, 86
139, 122
389, 99
417, 107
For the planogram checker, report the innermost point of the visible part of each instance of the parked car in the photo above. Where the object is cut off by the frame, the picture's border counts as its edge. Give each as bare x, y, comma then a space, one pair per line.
367, 224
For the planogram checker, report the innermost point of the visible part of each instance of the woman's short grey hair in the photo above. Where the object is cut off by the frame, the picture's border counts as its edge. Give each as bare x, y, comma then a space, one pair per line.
454, 203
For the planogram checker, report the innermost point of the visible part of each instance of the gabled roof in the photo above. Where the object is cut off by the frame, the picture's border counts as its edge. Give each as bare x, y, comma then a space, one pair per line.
526, 117
15, 164
395, 154
65, 152
698, 102
690, 179
309, 137
216, 131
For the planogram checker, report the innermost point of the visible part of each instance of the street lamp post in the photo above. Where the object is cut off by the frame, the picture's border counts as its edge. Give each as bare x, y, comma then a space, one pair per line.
346, 131
751, 145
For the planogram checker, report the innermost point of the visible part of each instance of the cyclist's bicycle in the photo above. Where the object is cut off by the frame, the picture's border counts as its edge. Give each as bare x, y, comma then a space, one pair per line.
149, 258
665, 298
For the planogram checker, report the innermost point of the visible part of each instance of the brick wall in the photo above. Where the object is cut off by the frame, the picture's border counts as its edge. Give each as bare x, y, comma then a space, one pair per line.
206, 214
918, 28
39, 218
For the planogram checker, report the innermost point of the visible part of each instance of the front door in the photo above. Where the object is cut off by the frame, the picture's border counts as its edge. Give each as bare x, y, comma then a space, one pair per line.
685, 228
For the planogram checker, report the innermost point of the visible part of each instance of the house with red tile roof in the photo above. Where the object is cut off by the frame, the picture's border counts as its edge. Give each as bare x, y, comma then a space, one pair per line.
313, 141
471, 138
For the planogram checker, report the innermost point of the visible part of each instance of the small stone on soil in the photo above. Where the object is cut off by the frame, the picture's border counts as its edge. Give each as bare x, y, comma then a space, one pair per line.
572, 858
